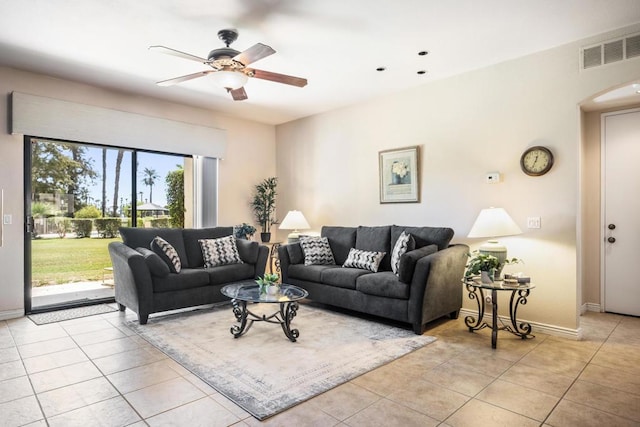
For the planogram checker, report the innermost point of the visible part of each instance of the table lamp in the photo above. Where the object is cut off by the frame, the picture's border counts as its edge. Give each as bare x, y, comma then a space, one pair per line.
294, 220
494, 222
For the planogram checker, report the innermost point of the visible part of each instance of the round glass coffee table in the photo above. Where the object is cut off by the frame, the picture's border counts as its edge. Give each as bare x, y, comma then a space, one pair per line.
249, 292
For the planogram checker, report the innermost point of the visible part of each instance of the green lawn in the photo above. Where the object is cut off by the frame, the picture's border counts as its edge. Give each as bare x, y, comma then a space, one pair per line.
56, 261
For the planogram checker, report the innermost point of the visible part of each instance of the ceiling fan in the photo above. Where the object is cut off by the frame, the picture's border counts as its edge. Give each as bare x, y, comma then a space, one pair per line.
229, 67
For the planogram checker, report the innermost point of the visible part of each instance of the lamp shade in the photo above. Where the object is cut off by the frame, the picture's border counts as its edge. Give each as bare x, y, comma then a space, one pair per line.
229, 79
494, 222
294, 220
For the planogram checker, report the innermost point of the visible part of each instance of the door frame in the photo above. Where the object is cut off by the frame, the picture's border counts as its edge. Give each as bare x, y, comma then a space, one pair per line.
603, 225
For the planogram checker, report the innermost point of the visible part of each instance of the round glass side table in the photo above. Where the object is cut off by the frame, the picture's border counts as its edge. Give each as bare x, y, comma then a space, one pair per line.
519, 294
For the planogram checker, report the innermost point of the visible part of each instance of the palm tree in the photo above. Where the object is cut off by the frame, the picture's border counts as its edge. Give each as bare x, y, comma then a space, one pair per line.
116, 186
104, 182
150, 178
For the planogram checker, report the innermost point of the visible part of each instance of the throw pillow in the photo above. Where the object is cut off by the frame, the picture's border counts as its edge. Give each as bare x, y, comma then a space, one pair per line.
317, 251
365, 260
156, 265
222, 251
168, 253
404, 244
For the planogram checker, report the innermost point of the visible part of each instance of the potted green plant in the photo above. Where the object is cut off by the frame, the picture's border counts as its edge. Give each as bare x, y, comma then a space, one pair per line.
268, 284
263, 205
485, 265
244, 231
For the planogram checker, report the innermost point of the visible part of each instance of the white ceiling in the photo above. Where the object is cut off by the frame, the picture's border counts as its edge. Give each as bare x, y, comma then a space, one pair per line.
336, 44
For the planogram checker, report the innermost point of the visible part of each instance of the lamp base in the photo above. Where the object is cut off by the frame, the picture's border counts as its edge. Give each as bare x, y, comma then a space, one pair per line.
498, 250
293, 237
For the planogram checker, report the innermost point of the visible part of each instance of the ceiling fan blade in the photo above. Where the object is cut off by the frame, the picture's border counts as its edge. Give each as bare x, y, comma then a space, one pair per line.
238, 94
181, 79
279, 78
254, 53
179, 54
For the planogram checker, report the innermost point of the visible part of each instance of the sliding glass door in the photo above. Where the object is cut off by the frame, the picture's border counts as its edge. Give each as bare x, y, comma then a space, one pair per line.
77, 196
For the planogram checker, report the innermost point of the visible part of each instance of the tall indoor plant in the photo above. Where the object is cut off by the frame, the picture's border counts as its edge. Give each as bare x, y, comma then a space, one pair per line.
264, 205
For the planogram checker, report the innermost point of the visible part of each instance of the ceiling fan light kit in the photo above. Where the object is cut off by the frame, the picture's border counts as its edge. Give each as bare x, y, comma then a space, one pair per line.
229, 66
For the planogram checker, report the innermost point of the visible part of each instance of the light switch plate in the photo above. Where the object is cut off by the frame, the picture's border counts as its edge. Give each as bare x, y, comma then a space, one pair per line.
533, 222
6, 219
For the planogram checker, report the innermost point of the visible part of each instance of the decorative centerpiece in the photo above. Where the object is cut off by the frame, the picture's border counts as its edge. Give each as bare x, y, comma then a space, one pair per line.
485, 266
268, 284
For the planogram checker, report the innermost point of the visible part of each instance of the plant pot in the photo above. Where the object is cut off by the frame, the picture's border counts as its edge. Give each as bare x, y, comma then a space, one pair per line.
486, 277
265, 237
273, 290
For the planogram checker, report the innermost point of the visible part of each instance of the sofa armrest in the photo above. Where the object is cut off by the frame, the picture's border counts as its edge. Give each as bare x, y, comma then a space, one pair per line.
289, 254
134, 288
436, 287
261, 263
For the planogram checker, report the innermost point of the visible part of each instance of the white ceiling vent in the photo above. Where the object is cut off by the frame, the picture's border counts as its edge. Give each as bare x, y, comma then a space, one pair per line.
610, 52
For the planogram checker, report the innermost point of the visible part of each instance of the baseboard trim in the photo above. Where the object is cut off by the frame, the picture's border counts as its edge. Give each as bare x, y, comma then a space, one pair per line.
11, 314
558, 331
590, 306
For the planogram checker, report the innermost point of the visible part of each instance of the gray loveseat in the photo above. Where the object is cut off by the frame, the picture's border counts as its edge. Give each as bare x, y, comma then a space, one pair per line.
144, 283
427, 287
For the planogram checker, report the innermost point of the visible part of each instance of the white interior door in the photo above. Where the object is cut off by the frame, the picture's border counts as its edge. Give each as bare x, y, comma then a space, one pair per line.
621, 211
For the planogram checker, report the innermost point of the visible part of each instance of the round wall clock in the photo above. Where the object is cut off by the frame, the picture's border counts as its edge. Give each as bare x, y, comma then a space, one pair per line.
536, 161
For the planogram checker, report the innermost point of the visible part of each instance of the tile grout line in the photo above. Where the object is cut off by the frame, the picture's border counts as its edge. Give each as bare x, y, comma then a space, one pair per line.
580, 373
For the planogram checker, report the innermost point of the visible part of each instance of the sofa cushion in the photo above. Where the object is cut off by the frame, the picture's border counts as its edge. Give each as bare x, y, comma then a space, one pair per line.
225, 274
376, 239
404, 244
248, 250
367, 260
317, 251
168, 253
408, 262
383, 284
341, 239
192, 246
156, 265
424, 236
309, 273
342, 277
187, 279
142, 237
222, 251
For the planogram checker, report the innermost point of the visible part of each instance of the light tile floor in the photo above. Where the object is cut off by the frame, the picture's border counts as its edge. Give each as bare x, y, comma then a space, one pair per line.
94, 371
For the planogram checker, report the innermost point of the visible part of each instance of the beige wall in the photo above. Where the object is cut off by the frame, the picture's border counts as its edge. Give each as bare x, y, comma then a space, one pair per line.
466, 126
250, 157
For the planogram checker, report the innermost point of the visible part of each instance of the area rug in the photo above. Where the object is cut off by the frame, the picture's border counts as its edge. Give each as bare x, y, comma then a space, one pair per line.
265, 373
70, 313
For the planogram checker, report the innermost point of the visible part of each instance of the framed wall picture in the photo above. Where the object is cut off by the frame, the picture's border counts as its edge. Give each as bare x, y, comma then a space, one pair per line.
400, 175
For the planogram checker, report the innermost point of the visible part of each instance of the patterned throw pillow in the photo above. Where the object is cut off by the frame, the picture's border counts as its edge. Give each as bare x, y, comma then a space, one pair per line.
404, 244
317, 251
222, 251
364, 260
168, 253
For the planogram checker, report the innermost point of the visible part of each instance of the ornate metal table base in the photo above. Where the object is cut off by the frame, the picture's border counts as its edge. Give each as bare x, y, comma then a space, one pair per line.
518, 296
284, 316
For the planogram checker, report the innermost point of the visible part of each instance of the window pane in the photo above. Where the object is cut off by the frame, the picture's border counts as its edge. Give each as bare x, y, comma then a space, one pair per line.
161, 190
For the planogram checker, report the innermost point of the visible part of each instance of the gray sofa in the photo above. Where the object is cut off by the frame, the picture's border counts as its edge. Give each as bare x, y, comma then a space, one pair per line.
144, 283
428, 285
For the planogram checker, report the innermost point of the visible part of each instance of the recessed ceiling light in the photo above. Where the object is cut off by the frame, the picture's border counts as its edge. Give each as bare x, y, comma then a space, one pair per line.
422, 72
423, 52
380, 69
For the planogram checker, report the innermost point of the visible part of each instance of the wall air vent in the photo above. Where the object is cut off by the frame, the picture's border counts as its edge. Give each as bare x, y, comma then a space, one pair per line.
610, 52
633, 46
